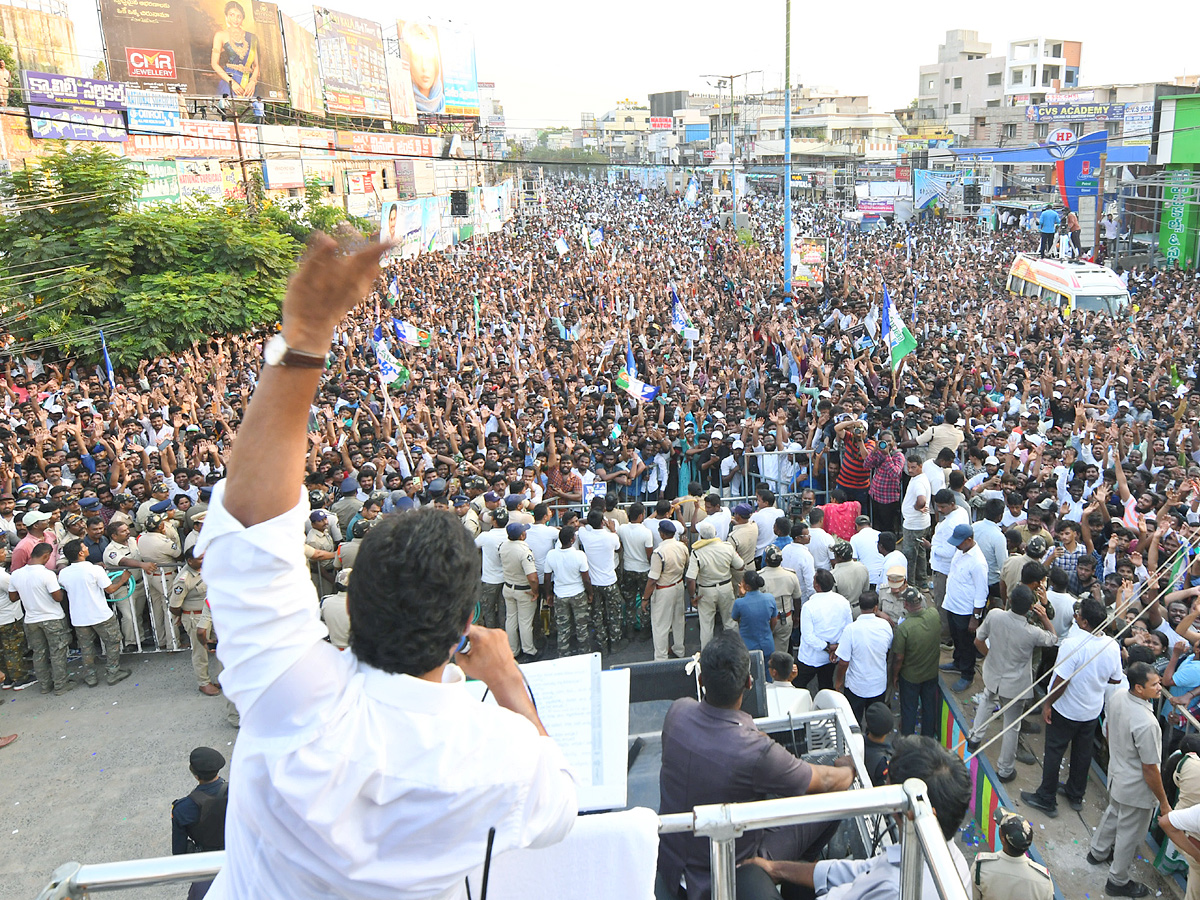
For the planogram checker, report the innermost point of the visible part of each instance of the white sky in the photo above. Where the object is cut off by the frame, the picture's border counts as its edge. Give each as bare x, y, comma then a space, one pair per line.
552, 60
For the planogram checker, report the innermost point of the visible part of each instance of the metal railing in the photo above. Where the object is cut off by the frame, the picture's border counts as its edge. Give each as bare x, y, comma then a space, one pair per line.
921, 840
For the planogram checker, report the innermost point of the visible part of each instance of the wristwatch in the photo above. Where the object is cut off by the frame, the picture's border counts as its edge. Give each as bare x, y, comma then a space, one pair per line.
278, 353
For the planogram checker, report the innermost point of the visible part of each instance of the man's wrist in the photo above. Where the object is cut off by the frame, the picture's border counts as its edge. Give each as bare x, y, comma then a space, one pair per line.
308, 338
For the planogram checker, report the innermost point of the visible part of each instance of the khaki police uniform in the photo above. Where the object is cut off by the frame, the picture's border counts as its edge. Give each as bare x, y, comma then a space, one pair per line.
471, 522
347, 554
667, 567
120, 517
520, 605
998, 876
163, 551
745, 541
784, 586
714, 564
204, 624
130, 608
188, 596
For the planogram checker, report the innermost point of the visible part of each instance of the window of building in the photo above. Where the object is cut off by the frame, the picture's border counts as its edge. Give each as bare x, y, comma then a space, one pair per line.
956, 108
958, 83
929, 86
1018, 76
1114, 129
992, 104
1056, 51
1042, 130
995, 78
1010, 130
946, 81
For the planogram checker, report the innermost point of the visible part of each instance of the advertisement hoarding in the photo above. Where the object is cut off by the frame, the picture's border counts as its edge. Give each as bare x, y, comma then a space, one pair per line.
809, 256
152, 111
210, 47
70, 90
400, 90
200, 177
1139, 123
460, 79
281, 174
58, 124
196, 137
370, 143
161, 184
876, 206
1177, 236
1075, 112
353, 71
419, 48
661, 123
1071, 97
303, 74
41, 40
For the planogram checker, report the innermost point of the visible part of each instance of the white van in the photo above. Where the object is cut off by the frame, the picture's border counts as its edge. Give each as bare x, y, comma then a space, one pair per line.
1068, 285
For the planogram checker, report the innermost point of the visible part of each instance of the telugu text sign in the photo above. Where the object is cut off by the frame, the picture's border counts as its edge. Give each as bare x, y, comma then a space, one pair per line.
196, 137
68, 90
56, 123
372, 144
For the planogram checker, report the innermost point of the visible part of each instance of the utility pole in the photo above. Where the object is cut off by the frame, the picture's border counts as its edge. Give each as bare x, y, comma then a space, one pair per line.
787, 148
1099, 200
732, 152
237, 134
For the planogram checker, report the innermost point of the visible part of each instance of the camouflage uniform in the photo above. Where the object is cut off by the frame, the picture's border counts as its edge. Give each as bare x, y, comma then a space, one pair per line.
109, 633
566, 608
607, 612
48, 640
631, 583
12, 650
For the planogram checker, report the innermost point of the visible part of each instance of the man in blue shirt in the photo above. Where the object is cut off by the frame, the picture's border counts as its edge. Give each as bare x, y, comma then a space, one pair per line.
1047, 225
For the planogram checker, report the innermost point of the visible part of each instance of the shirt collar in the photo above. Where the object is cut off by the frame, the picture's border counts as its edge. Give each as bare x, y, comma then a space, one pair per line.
734, 716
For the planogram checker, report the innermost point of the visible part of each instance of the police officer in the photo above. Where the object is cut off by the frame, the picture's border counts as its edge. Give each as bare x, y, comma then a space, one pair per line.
467, 515
159, 493
664, 591
188, 595
1010, 874
784, 586
158, 548
122, 553
198, 820
520, 593
711, 570
125, 504
744, 534
347, 553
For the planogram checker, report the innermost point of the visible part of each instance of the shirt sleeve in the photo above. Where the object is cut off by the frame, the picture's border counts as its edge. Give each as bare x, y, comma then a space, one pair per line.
829, 873
264, 605
1186, 819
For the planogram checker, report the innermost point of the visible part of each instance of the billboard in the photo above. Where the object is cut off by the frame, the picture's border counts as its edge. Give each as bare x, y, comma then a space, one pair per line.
280, 174
419, 49
303, 74
161, 184
352, 64
69, 90
1139, 123
1075, 112
200, 177
153, 111
400, 90
196, 137
58, 124
661, 123
210, 47
460, 80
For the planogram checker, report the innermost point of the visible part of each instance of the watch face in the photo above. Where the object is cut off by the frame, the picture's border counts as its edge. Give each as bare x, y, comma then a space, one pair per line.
274, 351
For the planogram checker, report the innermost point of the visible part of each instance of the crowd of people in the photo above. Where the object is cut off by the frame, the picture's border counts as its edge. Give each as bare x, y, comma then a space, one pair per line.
647, 424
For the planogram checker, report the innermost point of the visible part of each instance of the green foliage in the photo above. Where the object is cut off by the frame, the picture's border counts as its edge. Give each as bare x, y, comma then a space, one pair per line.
80, 256
10, 62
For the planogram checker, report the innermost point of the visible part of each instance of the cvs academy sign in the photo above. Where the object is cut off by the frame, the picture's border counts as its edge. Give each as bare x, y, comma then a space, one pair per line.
150, 63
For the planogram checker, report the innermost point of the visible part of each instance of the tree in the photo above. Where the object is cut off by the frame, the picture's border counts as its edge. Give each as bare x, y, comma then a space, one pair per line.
10, 62
80, 256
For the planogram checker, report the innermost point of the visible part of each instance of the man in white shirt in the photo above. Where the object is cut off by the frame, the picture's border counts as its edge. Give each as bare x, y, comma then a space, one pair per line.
637, 543
601, 544
1087, 662
491, 599
965, 603
46, 629
764, 517
567, 576
88, 590
820, 541
914, 512
823, 617
862, 653
866, 550
541, 538
798, 558
941, 554
12, 634
720, 517
371, 773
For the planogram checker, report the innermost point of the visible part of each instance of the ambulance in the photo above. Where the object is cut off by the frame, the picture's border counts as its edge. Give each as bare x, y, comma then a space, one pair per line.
1069, 285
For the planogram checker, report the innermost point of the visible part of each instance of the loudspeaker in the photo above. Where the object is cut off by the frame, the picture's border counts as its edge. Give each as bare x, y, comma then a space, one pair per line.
458, 203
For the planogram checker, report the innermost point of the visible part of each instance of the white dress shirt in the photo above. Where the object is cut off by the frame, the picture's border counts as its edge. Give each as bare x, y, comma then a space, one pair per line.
489, 544
1088, 663
941, 551
601, 546
765, 520
541, 540
865, 544
820, 545
796, 556
967, 583
878, 878
635, 541
85, 584
823, 618
864, 645
721, 521
349, 781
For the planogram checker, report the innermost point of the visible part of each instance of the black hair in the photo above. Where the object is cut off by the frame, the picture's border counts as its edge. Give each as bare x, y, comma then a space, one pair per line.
1021, 599
993, 509
1138, 674
780, 665
823, 579
887, 541
798, 530
782, 527
752, 580
945, 777
837, 495
945, 497
541, 511
413, 590
694, 488
724, 666
43, 549
868, 600
595, 519
1091, 611
635, 512
566, 535
1059, 579
1032, 572
610, 501
71, 550
816, 516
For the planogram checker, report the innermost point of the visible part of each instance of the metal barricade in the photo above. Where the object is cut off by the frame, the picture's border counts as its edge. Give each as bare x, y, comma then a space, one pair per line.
779, 470
162, 582
921, 841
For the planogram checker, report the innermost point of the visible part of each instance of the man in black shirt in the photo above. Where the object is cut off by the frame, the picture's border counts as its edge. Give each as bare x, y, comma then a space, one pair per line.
198, 820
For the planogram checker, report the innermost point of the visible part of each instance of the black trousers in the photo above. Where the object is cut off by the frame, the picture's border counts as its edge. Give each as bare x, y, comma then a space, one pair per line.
1047, 243
823, 674
886, 517
859, 704
923, 694
1061, 733
964, 644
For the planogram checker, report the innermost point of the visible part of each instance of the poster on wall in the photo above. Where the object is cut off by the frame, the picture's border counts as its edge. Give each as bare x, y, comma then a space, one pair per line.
353, 71
419, 49
161, 184
303, 74
400, 91
69, 90
200, 177
208, 47
156, 112
58, 124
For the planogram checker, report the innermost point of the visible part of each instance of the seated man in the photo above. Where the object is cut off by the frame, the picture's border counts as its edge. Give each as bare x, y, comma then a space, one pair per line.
373, 772
712, 753
949, 789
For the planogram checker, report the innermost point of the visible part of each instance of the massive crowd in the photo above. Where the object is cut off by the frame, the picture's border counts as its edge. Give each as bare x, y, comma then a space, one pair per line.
847, 517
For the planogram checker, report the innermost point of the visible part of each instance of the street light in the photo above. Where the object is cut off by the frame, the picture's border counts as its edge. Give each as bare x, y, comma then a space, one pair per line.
732, 150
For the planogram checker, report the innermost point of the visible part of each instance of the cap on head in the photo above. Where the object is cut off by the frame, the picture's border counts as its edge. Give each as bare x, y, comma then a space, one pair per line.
161, 506
460, 500
349, 486
667, 527
879, 720
512, 501
516, 530
318, 515
773, 556
1015, 829
1036, 547
842, 549
34, 516
743, 510
961, 534
206, 762
910, 596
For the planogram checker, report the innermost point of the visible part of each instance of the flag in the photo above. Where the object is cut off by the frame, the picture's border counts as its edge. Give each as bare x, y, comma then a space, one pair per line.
475, 311
636, 388
458, 357
390, 368
393, 292
1176, 381
899, 339
561, 246
679, 319
604, 351
411, 334
108, 369
630, 363
596, 238
377, 334
915, 305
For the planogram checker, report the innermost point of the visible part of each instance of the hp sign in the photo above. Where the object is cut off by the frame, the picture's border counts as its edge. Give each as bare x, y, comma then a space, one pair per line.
1062, 144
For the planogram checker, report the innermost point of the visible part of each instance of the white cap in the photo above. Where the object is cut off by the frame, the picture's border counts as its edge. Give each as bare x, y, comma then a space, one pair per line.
793, 447
717, 414
718, 435
991, 461
673, 426
1122, 379
914, 400
1057, 395
1010, 387
738, 445
1035, 439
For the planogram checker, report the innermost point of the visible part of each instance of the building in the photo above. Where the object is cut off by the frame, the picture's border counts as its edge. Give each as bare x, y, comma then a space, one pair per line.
966, 75
1177, 149
623, 132
491, 121
825, 125
1040, 66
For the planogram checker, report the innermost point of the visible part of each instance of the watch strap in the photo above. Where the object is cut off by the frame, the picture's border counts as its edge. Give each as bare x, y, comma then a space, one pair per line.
298, 359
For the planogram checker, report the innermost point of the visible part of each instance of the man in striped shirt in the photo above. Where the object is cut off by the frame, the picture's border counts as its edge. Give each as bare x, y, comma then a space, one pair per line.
853, 475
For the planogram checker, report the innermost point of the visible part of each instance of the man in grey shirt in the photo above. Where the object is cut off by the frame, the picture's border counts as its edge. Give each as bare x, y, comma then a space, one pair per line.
1134, 779
1006, 641
992, 542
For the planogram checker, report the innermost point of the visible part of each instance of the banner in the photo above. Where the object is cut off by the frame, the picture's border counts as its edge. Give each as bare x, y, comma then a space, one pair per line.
210, 47
196, 137
419, 48
152, 111
161, 184
876, 205
460, 79
50, 123
400, 90
352, 64
1177, 236
1076, 112
1139, 123
373, 144
930, 186
303, 72
809, 257
281, 174
1075, 173
200, 177
68, 90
